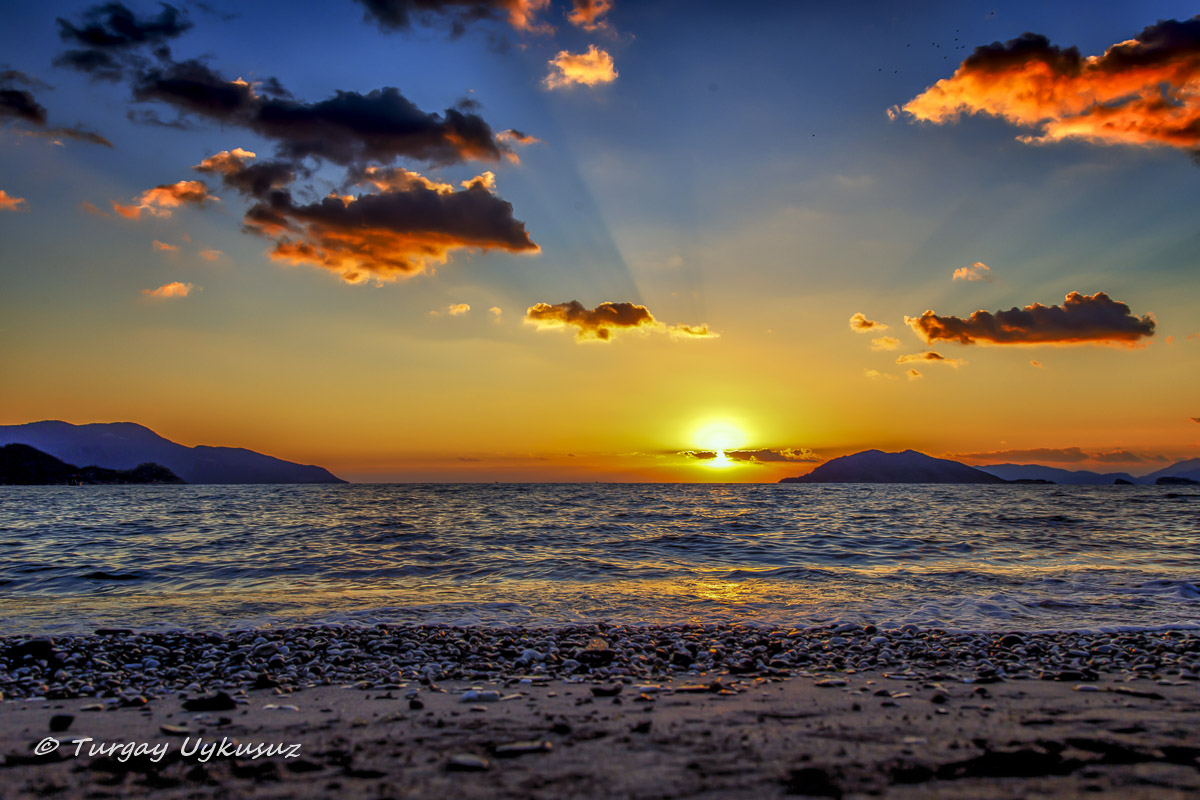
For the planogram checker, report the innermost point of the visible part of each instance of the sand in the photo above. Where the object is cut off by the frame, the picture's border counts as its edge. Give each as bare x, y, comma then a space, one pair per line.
695, 736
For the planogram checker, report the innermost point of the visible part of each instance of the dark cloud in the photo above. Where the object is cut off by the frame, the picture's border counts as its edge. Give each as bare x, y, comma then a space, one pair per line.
764, 455
20, 104
110, 38
591, 323
404, 229
347, 128
1118, 457
1140, 91
19, 107
1081, 318
394, 15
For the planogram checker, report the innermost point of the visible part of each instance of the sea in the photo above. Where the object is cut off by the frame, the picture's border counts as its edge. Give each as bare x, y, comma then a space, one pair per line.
969, 558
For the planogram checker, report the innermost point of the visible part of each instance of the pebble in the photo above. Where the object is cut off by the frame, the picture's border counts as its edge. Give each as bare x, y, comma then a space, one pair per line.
467, 762
119, 667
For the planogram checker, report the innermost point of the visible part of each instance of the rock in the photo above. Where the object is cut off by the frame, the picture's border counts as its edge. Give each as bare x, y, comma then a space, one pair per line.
479, 696
514, 749
415, 704
812, 782
219, 701
60, 722
607, 691
467, 762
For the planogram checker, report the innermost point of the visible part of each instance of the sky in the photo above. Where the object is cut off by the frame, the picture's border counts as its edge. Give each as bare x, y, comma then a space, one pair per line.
598, 240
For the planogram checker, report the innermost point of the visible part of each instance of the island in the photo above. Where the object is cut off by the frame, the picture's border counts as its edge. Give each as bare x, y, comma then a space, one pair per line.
22, 465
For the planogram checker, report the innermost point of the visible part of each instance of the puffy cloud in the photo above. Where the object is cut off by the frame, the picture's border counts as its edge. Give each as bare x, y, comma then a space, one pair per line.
860, 324
348, 128
875, 374
392, 15
594, 323
411, 224
495, 311
1081, 318
591, 68
109, 39
601, 322
162, 200
389, 235
168, 290
929, 357
164, 247
885, 343
457, 309
587, 14
1142, 91
978, 271
10, 203
211, 254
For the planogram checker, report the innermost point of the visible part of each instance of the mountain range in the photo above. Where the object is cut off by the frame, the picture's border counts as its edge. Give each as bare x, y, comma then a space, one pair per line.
126, 445
876, 466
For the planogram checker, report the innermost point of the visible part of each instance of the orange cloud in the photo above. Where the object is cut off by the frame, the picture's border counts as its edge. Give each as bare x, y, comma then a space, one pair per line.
1143, 91
930, 357
164, 247
588, 69
1037, 364
586, 14
389, 235
496, 311
399, 14
226, 162
860, 324
174, 289
596, 323
885, 343
10, 203
162, 200
458, 309
913, 375
211, 254
1080, 319
875, 374
978, 271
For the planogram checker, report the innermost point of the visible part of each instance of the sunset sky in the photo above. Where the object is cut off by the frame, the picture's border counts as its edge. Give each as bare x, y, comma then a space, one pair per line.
430, 240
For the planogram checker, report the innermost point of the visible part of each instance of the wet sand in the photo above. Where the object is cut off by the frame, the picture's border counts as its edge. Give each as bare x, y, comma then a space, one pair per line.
601, 711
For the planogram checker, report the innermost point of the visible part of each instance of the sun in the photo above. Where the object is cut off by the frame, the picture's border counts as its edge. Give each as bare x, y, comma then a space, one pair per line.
719, 436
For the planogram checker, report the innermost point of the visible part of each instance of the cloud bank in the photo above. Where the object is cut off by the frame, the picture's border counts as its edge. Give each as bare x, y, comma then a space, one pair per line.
603, 321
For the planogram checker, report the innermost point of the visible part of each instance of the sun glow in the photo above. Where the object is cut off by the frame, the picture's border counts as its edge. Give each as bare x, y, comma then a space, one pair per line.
718, 436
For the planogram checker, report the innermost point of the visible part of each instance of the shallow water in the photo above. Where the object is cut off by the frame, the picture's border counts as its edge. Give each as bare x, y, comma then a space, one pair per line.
962, 557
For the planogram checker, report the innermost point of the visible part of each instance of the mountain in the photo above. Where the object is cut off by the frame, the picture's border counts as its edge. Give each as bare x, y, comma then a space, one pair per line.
125, 445
876, 466
22, 465
1081, 477
1181, 469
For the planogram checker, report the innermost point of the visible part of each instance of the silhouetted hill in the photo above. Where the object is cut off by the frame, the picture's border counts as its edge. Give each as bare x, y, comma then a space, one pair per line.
125, 445
1181, 469
876, 466
22, 465
1081, 477
1173, 480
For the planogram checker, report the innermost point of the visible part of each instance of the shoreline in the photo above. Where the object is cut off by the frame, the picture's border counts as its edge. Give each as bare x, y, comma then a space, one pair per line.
604, 711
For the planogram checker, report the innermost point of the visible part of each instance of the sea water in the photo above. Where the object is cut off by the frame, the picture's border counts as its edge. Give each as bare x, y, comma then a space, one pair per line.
1018, 557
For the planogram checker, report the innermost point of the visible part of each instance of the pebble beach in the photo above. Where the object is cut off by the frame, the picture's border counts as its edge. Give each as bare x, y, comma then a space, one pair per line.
599, 710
